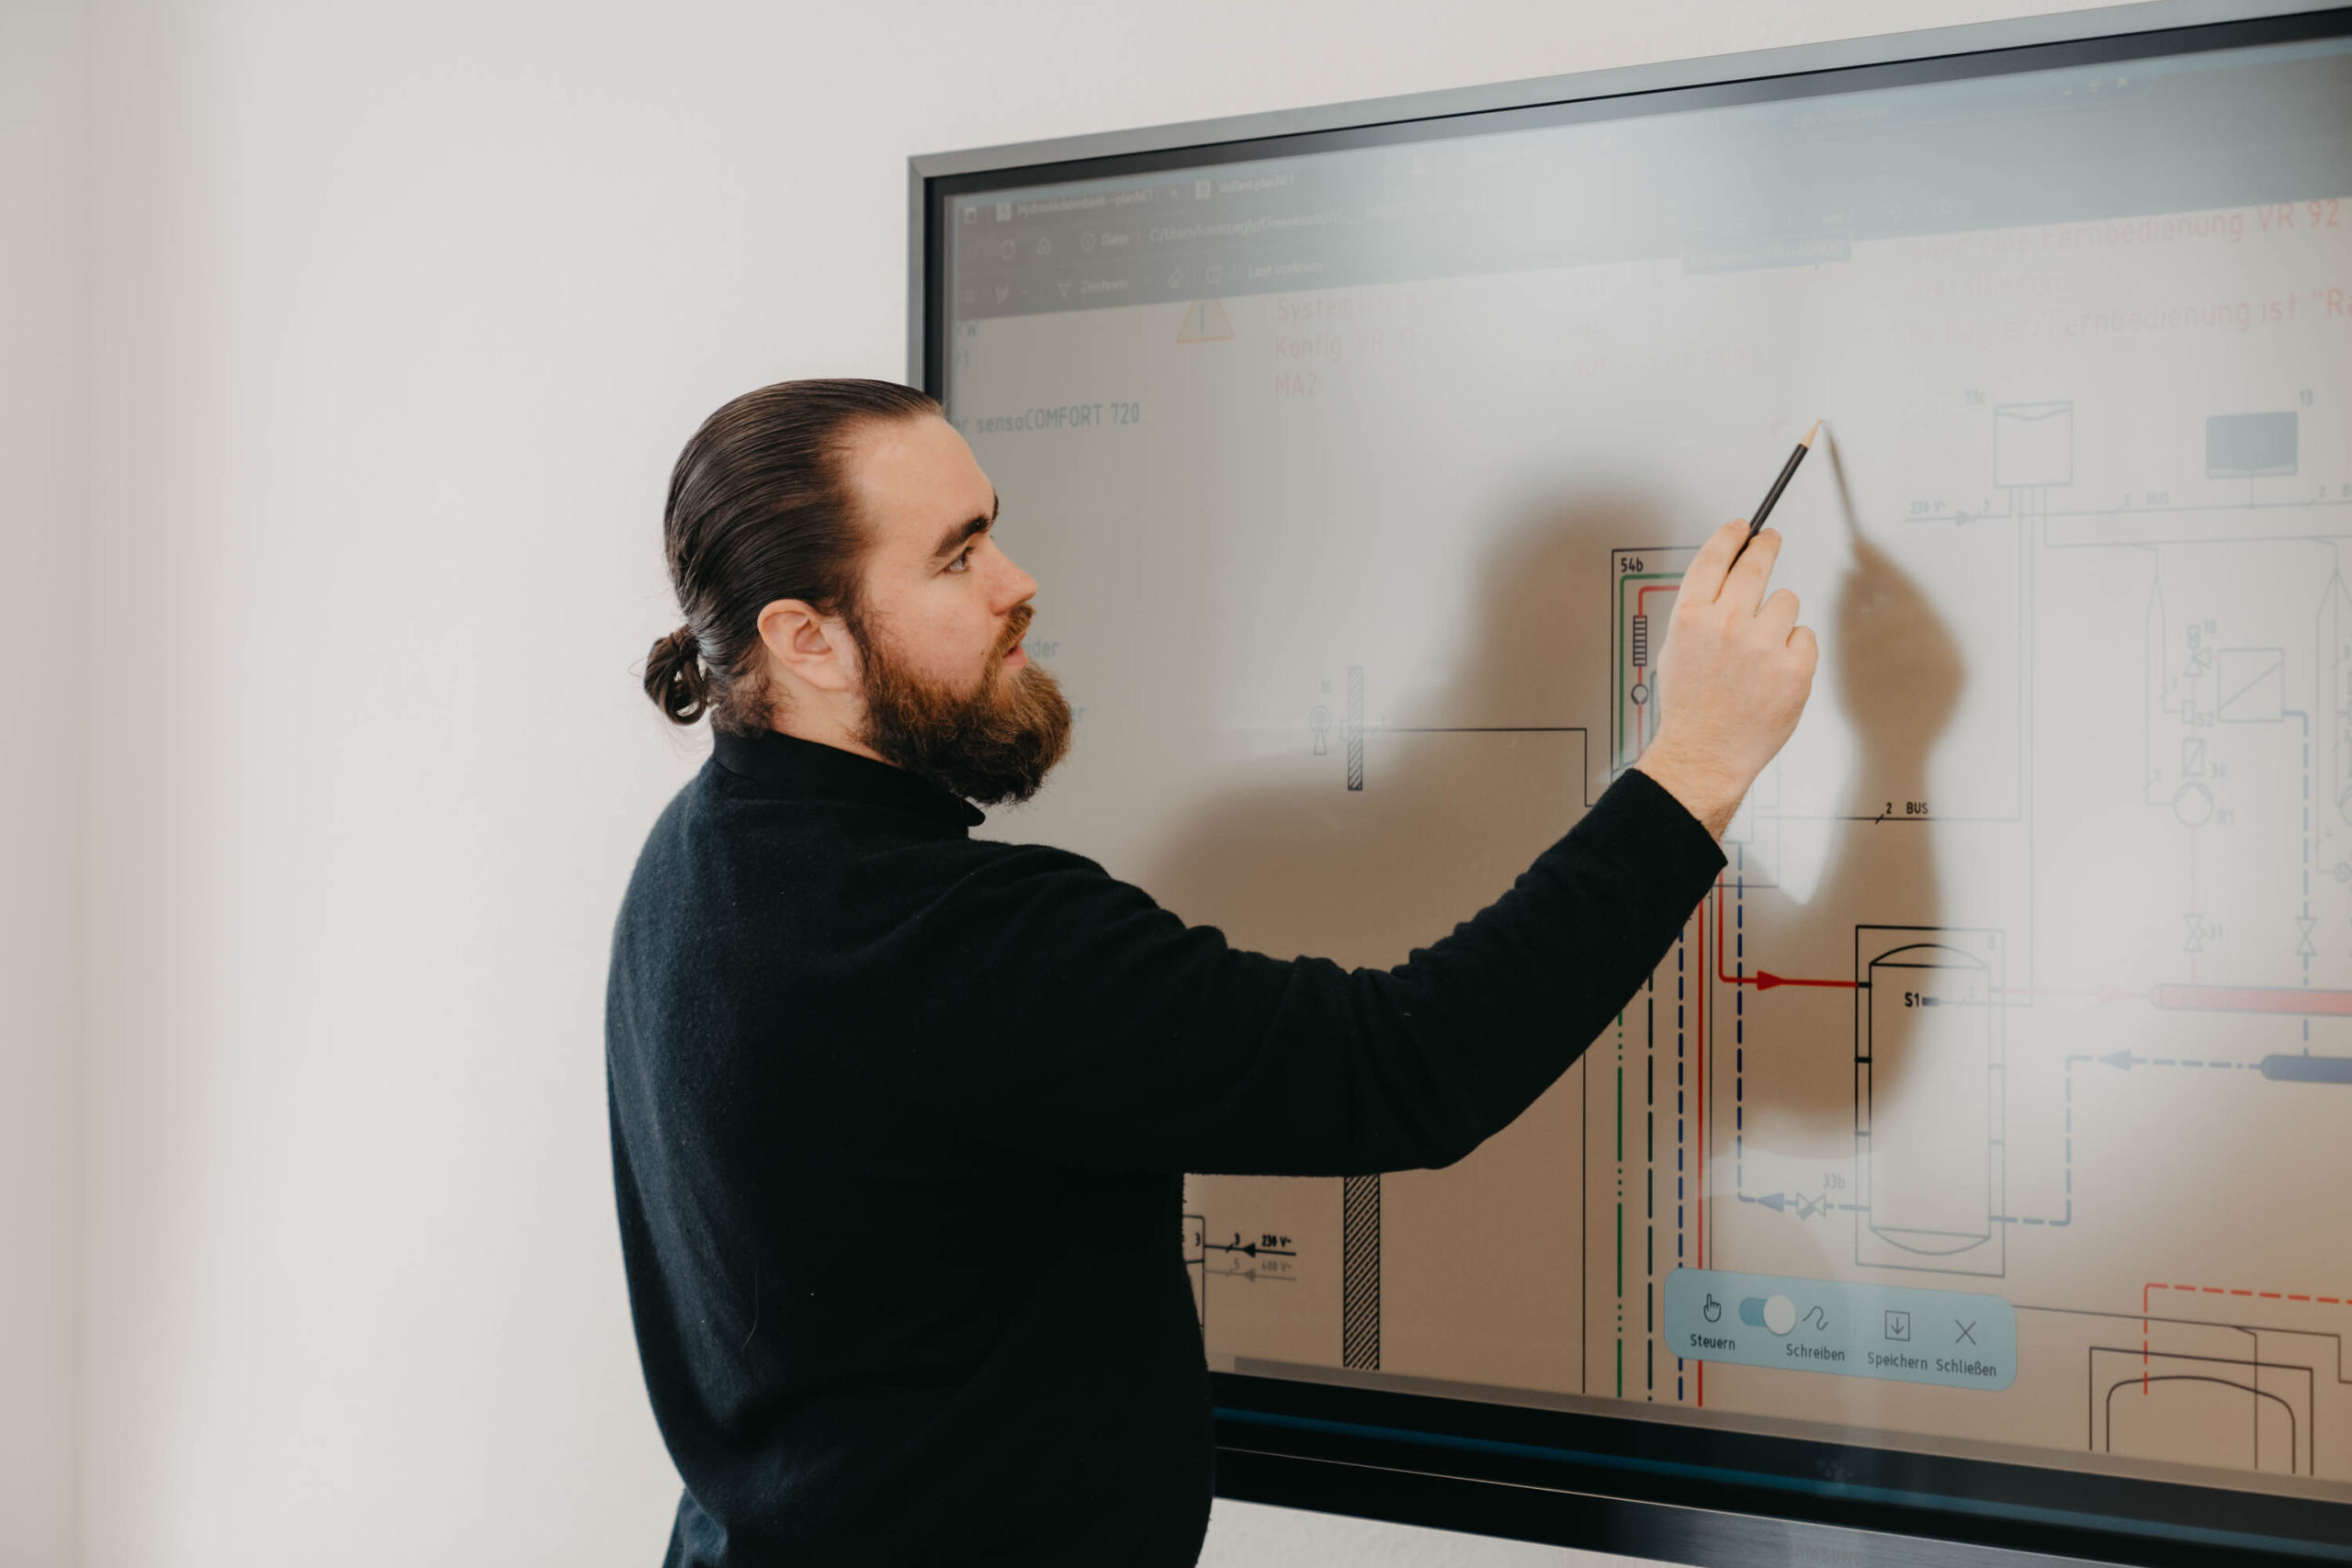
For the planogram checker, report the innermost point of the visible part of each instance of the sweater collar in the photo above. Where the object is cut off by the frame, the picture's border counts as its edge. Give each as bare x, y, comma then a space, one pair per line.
814, 771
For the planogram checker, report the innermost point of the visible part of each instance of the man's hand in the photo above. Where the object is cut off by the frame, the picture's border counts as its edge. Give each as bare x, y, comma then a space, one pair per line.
1732, 678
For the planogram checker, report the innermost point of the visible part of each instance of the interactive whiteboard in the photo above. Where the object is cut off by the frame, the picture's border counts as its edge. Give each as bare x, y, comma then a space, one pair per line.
1994, 1109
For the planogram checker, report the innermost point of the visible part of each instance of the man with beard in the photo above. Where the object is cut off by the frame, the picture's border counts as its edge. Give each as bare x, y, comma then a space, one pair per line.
900, 1117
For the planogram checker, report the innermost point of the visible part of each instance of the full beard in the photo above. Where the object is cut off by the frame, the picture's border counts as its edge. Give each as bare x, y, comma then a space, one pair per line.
991, 745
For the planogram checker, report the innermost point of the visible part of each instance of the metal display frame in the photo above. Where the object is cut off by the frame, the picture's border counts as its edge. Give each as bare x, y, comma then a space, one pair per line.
1640, 1486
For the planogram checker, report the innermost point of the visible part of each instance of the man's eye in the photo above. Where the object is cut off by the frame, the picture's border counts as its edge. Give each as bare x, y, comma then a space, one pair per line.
963, 559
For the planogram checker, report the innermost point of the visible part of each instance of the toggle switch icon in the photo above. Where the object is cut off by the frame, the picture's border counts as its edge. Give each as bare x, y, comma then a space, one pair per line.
1776, 1313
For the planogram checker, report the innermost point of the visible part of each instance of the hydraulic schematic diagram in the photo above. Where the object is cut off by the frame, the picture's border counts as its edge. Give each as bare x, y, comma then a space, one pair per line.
1993, 1101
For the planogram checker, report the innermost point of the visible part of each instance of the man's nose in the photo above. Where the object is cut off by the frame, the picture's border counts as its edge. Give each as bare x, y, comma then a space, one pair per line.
1019, 586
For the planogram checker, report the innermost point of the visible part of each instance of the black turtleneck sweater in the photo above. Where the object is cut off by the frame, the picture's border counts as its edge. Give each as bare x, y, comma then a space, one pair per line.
899, 1119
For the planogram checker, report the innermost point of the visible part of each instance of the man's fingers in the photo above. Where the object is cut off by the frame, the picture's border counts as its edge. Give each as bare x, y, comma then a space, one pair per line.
1778, 613
1704, 578
1803, 641
1744, 588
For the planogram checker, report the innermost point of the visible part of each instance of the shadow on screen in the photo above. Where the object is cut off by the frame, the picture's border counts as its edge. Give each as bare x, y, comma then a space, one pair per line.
1466, 783
1925, 1017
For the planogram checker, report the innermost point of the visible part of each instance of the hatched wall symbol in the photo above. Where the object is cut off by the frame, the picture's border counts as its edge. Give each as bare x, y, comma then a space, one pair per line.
1359, 1272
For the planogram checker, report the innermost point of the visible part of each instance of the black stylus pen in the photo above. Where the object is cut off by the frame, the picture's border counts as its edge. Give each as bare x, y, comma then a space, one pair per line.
1787, 469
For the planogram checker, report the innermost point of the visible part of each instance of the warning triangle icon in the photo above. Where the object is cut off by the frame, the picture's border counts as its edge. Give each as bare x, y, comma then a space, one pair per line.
1206, 321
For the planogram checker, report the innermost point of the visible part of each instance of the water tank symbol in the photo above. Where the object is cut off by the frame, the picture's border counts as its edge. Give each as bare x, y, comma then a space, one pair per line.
1928, 1112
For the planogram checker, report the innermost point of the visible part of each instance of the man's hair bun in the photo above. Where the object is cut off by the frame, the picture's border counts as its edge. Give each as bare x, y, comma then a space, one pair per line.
761, 509
675, 677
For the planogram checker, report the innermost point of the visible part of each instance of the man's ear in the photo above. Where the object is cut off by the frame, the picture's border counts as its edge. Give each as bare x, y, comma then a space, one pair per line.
816, 649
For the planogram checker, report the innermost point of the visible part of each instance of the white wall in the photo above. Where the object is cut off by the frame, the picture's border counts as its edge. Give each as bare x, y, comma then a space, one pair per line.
403, 312
46, 652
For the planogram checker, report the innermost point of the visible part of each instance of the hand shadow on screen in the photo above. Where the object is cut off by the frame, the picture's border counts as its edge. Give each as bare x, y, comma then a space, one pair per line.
1447, 820
1922, 1197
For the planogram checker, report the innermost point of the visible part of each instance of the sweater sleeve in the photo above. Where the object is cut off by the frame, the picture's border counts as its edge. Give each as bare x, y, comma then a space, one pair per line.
1102, 1030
